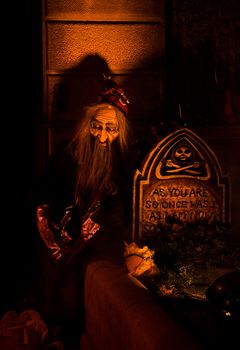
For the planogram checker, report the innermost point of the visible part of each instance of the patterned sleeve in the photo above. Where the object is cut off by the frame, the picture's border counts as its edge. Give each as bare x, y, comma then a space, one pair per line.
59, 239
56, 238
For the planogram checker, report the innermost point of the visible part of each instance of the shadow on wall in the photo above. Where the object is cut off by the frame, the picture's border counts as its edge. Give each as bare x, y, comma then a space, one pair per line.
82, 84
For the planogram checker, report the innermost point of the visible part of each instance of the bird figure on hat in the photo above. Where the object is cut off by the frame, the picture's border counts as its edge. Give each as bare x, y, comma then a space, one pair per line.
114, 95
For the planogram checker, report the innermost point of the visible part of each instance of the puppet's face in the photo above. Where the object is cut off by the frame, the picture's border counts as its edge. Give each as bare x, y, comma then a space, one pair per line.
104, 126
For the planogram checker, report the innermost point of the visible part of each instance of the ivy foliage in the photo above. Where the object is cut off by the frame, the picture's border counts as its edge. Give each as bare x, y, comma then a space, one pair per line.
190, 256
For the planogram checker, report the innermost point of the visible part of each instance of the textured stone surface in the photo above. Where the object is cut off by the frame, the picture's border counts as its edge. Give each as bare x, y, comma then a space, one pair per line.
122, 46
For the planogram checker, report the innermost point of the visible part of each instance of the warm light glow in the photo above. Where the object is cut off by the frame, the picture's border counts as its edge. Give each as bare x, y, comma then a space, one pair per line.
122, 46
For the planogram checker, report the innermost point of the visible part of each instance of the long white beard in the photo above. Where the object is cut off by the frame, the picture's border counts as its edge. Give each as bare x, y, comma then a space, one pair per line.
101, 163
98, 176
95, 173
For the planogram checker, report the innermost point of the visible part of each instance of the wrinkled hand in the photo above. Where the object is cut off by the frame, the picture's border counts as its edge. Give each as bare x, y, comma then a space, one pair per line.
133, 262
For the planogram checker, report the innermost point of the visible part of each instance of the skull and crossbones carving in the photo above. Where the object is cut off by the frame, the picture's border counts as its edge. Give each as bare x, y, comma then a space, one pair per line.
182, 153
183, 161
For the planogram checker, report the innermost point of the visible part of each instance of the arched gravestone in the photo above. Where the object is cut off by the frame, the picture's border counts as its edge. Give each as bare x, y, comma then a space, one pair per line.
181, 178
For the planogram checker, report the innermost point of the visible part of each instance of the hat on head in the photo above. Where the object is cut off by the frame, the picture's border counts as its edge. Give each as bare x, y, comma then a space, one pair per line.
114, 95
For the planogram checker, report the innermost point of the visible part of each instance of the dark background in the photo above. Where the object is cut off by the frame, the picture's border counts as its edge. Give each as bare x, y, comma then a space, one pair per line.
21, 102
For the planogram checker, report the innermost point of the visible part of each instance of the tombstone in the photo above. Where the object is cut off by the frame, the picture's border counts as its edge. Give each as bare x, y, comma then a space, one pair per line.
180, 178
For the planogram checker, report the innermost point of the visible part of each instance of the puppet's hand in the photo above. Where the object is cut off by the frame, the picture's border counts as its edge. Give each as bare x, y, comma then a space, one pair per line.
48, 231
133, 262
139, 260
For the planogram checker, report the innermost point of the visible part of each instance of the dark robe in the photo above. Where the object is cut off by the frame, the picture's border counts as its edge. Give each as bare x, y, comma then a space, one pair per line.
62, 252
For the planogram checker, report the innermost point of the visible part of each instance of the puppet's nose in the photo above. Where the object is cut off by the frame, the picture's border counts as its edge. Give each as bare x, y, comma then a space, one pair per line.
103, 136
